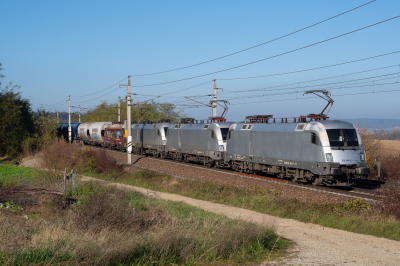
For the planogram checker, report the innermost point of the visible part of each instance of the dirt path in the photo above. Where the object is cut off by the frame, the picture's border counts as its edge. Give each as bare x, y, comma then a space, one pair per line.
315, 244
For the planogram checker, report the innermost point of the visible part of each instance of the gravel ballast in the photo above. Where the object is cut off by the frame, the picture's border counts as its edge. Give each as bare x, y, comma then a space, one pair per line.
229, 178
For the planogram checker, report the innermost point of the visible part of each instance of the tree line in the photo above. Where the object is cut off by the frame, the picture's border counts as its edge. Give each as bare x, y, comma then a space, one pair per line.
393, 134
23, 130
150, 110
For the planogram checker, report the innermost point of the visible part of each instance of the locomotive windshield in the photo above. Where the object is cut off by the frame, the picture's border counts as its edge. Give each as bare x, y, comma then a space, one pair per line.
224, 132
342, 137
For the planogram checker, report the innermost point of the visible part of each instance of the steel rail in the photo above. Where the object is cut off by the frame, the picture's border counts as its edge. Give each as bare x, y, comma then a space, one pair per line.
339, 190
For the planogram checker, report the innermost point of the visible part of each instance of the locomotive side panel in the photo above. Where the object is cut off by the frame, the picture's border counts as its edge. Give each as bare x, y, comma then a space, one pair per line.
135, 136
196, 140
151, 137
237, 145
173, 143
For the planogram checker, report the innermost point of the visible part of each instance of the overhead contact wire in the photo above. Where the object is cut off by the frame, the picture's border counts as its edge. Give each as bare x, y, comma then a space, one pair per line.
274, 56
258, 45
101, 90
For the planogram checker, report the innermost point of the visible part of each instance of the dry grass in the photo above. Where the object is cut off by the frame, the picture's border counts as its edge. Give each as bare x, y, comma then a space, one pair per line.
113, 227
372, 147
59, 155
390, 147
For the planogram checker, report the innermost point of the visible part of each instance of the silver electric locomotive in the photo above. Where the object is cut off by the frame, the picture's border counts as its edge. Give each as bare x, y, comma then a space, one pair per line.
317, 151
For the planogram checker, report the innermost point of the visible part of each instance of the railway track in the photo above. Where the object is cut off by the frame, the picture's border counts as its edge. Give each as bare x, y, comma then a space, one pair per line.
347, 191
338, 190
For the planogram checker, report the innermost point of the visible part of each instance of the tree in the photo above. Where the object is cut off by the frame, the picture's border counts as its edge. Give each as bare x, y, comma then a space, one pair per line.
1, 75
394, 134
16, 121
150, 110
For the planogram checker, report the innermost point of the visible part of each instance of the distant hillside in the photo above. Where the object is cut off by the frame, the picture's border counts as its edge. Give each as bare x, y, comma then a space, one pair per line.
372, 124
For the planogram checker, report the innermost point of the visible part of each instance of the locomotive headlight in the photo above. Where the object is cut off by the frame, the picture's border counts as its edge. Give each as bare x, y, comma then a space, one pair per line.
164, 142
221, 147
362, 156
329, 157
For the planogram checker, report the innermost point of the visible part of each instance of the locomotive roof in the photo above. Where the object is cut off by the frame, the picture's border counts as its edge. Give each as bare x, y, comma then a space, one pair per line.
332, 124
194, 126
286, 127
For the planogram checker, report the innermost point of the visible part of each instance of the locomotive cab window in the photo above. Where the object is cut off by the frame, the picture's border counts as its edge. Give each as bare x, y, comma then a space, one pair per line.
244, 127
224, 133
342, 137
102, 133
315, 139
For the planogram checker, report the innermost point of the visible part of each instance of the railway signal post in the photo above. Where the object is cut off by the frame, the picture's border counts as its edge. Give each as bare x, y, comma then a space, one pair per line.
128, 121
119, 109
69, 119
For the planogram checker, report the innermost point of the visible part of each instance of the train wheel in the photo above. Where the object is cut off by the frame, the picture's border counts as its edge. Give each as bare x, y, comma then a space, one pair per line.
316, 181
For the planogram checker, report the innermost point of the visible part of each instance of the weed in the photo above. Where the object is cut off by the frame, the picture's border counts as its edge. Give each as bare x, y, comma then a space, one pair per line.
117, 227
10, 205
355, 204
391, 168
390, 204
103, 162
356, 215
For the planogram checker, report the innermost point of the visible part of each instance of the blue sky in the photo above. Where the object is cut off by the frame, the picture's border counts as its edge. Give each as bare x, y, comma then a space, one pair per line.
53, 49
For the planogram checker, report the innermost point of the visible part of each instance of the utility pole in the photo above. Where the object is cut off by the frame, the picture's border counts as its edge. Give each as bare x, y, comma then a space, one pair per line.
128, 120
69, 120
214, 103
41, 109
79, 113
119, 109
58, 121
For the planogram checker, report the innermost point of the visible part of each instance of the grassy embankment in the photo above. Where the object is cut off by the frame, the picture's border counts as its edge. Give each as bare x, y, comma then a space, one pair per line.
106, 226
354, 216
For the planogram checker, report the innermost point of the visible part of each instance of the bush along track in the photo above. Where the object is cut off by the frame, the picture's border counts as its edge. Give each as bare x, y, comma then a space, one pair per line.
109, 226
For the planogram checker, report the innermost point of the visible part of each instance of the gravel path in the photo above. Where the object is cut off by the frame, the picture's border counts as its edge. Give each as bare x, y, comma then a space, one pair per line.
203, 174
315, 244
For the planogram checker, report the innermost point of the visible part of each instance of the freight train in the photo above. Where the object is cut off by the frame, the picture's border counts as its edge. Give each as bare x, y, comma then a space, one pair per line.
309, 149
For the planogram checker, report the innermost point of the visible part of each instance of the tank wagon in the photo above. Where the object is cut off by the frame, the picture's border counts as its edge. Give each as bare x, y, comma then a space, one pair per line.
63, 131
93, 133
314, 150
